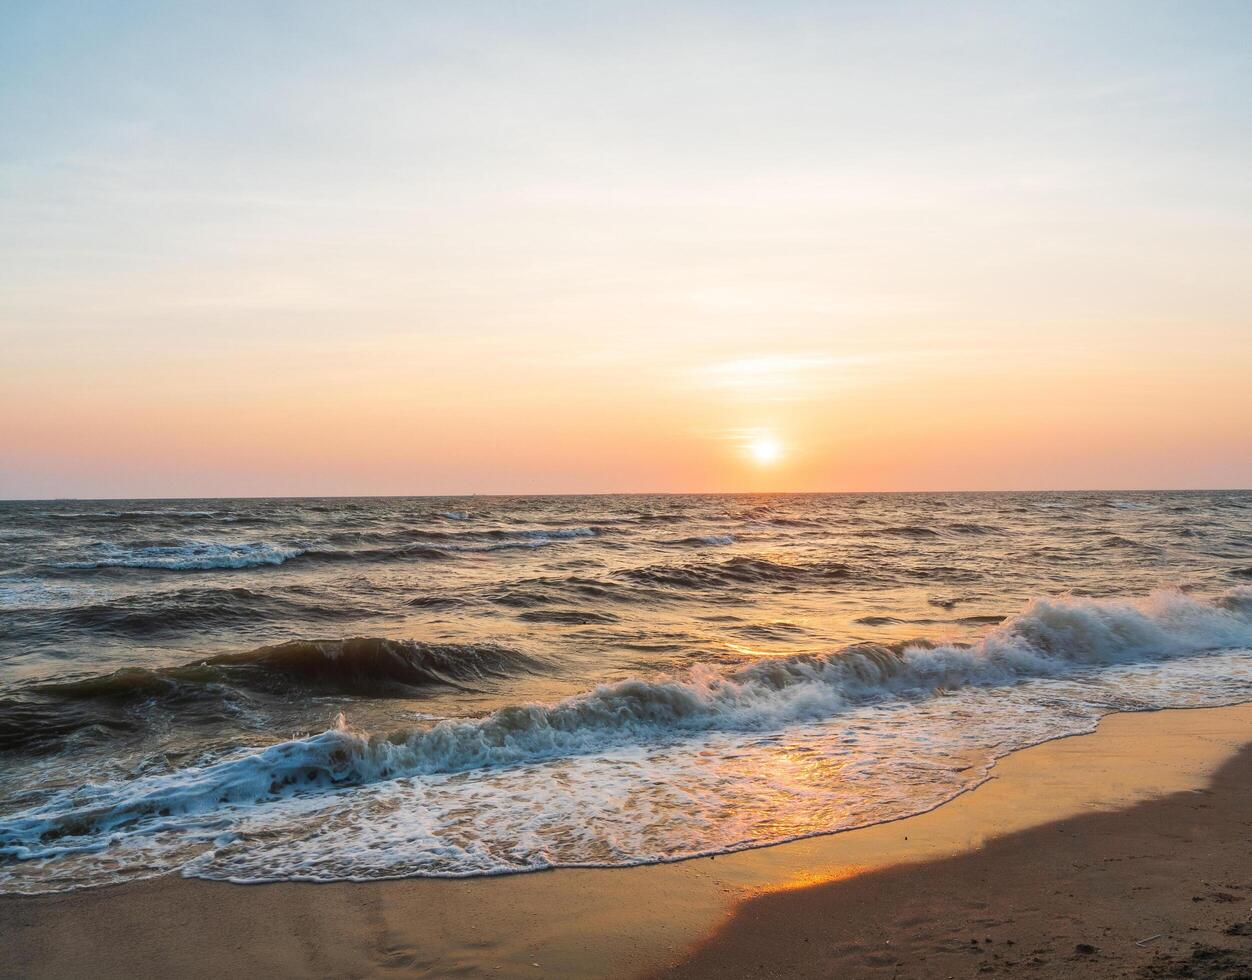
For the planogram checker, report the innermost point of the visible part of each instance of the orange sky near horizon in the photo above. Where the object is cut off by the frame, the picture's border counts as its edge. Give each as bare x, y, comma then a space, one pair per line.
912, 423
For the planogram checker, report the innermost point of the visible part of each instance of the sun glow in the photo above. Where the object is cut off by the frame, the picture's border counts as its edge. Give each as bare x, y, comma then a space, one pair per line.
765, 450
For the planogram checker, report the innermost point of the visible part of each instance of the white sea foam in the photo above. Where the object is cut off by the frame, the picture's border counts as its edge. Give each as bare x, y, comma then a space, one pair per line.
646, 769
188, 556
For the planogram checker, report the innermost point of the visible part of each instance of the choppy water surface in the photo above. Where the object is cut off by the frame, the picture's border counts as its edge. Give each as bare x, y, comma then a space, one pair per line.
333, 689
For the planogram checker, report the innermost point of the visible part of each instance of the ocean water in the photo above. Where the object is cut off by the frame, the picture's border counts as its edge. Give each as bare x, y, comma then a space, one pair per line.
329, 689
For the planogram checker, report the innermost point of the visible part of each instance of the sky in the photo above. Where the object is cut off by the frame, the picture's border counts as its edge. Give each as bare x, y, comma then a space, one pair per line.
300, 248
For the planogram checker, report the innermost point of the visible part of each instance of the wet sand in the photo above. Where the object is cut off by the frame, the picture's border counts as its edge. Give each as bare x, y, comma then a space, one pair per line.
1070, 855
1162, 889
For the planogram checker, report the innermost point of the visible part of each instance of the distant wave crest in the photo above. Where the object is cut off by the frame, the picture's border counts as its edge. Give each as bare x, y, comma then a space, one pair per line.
188, 556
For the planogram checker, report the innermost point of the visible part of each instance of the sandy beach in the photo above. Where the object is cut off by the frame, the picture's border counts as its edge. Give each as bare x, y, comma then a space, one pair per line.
1119, 853
1160, 889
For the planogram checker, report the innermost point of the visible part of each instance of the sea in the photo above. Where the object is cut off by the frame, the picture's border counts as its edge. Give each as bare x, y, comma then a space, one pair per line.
356, 689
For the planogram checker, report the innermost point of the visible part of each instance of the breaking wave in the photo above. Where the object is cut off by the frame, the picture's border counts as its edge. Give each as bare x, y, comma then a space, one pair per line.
186, 556
44, 714
355, 666
1050, 639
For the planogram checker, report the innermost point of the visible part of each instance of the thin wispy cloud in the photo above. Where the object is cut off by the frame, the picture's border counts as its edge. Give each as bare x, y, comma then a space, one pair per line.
778, 376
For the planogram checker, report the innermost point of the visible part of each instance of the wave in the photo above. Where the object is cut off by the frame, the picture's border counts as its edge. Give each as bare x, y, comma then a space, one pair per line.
793, 522
921, 532
110, 516
1118, 542
409, 552
667, 582
567, 617
187, 556
357, 665
903, 531
420, 543
970, 527
437, 602
542, 532
42, 715
406, 544
737, 571
1051, 638
701, 540
34, 725
372, 665
775, 631
541, 591
649, 517
409, 535
155, 614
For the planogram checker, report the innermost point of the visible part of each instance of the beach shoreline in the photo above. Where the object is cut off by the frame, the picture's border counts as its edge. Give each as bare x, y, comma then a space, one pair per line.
692, 918
1160, 888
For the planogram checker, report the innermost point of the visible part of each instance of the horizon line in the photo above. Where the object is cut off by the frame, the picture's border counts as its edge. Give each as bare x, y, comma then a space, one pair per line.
627, 493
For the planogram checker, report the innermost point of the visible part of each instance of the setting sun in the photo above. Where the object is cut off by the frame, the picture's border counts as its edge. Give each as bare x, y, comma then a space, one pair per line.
765, 450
